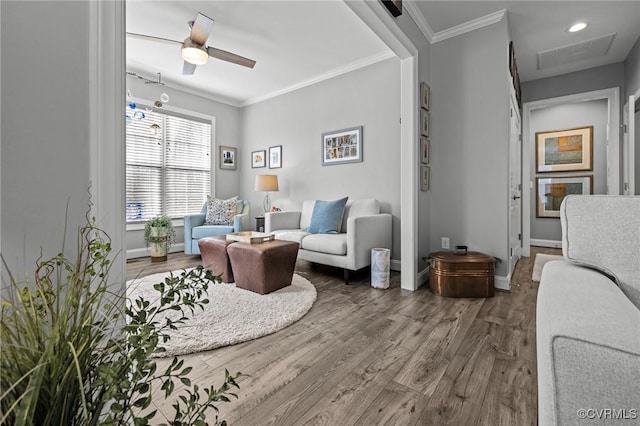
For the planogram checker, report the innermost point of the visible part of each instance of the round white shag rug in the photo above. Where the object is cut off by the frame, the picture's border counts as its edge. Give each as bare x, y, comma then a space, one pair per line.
233, 315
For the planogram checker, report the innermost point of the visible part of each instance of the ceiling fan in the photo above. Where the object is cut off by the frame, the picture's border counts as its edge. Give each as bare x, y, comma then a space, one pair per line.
194, 51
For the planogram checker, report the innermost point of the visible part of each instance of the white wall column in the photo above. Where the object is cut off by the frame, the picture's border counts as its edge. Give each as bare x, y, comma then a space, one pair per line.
384, 26
106, 145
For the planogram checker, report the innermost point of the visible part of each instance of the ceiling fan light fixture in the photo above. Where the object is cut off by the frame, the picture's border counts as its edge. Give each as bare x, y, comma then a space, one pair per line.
578, 26
194, 53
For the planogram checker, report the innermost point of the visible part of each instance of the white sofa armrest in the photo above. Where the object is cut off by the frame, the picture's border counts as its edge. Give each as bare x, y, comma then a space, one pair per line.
588, 345
365, 233
274, 221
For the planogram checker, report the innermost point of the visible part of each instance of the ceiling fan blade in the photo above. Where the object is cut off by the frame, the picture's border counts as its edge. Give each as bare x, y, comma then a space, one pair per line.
148, 37
188, 68
201, 29
223, 55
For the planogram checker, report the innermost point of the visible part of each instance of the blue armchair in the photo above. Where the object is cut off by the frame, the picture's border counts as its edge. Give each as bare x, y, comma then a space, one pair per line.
194, 227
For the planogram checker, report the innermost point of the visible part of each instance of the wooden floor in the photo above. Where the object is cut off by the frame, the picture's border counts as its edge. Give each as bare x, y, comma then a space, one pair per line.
365, 356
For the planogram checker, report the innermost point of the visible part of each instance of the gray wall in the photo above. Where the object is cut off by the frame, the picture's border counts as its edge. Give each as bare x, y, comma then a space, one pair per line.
470, 142
604, 77
228, 131
45, 128
368, 97
560, 117
632, 71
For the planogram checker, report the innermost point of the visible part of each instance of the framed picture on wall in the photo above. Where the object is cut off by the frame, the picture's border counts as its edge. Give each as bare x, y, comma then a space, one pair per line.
227, 158
566, 150
342, 146
425, 178
424, 150
258, 159
275, 157
424, 122
425, 96
550, 191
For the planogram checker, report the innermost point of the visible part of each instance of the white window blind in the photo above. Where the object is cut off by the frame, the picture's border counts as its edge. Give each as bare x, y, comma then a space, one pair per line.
169, 172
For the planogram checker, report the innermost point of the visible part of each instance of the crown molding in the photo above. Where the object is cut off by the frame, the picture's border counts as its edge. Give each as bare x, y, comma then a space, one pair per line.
419, 19
322, 77
240, 104
473, 25
425, 28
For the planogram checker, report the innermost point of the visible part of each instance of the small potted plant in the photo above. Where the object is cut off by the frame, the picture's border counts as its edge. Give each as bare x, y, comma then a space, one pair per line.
160, 236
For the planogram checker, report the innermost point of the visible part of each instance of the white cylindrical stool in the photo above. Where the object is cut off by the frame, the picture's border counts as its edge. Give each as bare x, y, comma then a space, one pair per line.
380, 259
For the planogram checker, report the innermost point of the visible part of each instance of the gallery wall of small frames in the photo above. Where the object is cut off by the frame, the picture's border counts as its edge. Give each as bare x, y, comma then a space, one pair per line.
264, 158
425, 136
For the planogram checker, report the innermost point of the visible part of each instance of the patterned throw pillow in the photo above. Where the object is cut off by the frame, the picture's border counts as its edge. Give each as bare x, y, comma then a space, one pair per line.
220, 212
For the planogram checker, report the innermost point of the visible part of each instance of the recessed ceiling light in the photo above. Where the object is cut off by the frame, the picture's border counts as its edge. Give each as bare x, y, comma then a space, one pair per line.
578, 26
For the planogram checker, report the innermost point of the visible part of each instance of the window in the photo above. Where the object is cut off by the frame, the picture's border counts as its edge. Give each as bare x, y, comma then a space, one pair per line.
169, 171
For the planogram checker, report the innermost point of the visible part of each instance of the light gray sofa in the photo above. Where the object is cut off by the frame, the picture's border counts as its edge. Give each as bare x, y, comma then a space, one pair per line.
588, 316
363, 228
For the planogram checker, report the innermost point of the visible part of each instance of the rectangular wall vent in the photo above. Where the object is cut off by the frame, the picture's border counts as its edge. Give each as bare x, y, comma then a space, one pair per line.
595, 47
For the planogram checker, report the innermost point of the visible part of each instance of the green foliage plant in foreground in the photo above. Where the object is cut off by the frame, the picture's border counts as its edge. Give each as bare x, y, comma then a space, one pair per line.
74, 352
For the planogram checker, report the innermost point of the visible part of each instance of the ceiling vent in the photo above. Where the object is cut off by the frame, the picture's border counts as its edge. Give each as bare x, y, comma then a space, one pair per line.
575, 52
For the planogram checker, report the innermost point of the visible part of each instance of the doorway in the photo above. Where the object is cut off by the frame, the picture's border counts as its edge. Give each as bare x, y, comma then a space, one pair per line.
613, 148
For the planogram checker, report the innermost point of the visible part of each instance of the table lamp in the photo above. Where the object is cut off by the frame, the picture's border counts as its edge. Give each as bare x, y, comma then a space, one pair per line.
266, 183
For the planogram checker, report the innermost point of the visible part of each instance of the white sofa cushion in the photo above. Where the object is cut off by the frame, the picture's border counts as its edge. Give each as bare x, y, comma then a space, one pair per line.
603, 232
326, 243
307, 212
295, 235
357, 208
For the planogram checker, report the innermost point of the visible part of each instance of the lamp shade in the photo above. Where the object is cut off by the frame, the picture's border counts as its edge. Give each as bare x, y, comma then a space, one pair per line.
268, 183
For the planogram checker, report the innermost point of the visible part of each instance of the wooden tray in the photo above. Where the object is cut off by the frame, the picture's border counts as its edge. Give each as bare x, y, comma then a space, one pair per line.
250, 237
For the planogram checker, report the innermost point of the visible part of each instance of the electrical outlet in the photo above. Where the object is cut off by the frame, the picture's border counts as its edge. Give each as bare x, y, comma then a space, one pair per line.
445, 242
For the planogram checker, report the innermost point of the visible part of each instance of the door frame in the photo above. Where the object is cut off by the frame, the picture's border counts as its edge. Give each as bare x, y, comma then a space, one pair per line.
377, 18
613, 149
628, 144
513, 106
106, 127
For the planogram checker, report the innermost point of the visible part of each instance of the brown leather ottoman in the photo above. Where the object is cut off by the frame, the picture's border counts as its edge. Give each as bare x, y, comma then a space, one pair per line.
263, 267
215, 258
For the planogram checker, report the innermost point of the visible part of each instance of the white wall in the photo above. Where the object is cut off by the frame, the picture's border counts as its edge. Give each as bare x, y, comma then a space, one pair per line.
632, 71
568, 116
45, 128
368, 97
470, 142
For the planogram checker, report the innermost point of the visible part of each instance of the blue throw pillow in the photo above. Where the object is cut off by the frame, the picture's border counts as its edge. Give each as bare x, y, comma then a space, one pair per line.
327, 216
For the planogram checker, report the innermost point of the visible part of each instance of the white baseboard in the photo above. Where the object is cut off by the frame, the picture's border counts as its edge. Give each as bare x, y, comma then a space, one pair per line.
423, 277
395, 265
502, 283
146, 252
546, 243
